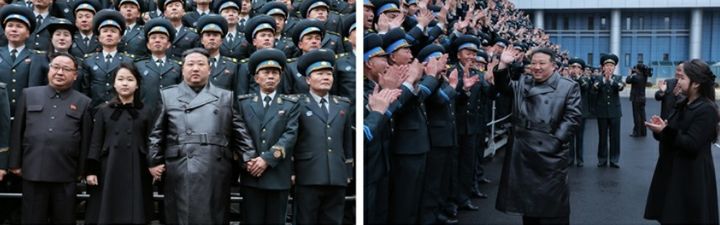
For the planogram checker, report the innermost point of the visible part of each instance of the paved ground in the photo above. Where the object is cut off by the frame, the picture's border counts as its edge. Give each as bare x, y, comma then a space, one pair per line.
598, 195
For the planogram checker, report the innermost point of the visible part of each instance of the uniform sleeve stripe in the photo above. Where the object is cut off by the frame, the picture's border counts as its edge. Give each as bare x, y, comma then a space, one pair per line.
368, 133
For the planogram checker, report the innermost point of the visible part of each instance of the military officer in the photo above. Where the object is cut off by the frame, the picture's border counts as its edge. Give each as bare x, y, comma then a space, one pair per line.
158, 70
133, 40
40, 38
97, 67
279, 12
368, 16
202, 7
234, 44
577, 66
185, 37
61, 42
608, 111
465, 49
85, 41
4, 129
16, 56
272, 121
318, 10
50, 140
307, 36
196, 137
344, 84
245, 11
260, 31
324, 150
223, 72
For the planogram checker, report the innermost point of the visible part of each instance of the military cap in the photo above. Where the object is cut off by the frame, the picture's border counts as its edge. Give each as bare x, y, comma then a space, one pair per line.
485, 39
502, 42
520, 46
258, 23
307, 26
481, 56
467, 41
90, 5
368, 3
135, 2
395, 39
212, 23
373, 46
18, 13
274, 8
159, 25
578, 61
219, 6
348, 24
266, 58
162, 3
61, 23
108, 17
411, 2
383, 6
430, 52
608, 58
435, 9
316, 60
307, 6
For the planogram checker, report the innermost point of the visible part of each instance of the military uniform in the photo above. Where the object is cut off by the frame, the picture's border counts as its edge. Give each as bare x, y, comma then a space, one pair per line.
40, 37
133, 41
608, 112
185, 38
83, 46
236, 47
50, 148
344, 84
576, 144
282, 41
273, 125
156, 77
4, 126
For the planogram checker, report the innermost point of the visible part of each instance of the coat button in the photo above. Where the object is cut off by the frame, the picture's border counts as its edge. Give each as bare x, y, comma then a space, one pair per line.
329, 138
52, 117
55, 106
263, 130
50, 130
329, 150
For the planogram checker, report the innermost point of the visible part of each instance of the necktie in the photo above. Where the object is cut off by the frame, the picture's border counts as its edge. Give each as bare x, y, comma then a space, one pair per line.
108, 58
13, 55
159, 63
202, 14
267, 100
87, 41
39, 19
213, 61
242, 22
230, 37
323, 107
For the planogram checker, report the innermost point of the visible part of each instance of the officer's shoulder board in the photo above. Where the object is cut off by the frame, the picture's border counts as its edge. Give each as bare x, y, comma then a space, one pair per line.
176, 61
230, 59
290, 60
143, 58
337, 56
245, 60
192, 29
333, 33
91, 54
129, 55
245, 96
341, 98
37, 51
290, 98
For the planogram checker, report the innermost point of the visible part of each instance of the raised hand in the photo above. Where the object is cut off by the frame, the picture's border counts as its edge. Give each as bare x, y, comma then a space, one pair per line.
393, 77
453, 78
662, 85
469, 82
383, 24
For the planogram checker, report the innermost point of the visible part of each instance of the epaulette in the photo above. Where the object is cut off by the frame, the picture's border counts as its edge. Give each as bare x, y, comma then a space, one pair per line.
169, 86
129, 55
245, 96
291, 98
292, 60
230, 59
145, 57
245, 60
37, 51
192, 29
333, 32
341, 98
337, 56
90, 54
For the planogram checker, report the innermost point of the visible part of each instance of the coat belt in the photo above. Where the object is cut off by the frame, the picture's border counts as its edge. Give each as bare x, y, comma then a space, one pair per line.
203, 139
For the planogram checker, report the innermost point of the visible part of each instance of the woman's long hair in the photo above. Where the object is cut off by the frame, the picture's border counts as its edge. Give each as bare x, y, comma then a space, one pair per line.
699, 72
137, 96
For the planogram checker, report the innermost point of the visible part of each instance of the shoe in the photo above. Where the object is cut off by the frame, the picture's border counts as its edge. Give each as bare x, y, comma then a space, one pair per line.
451, 211
602, 164
479, 194
580, 164
614, 165
444, 219
469, 206
485, 181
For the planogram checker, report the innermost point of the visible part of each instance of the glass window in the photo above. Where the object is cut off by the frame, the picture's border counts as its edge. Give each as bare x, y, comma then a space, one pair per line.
566, 23
640, 23
591, 23
640, 58
667, 23
628, 22
627, 59
589, 59
666, 57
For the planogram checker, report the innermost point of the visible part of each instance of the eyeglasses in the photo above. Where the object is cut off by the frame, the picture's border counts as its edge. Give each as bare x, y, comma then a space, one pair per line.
64, 68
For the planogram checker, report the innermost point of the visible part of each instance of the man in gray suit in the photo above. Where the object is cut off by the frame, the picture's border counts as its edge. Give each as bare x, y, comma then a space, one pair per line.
49, 144
197, 137
323, 153
272, 122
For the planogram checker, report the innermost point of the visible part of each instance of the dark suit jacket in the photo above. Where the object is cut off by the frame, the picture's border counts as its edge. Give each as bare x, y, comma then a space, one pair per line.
410, 122
80, 50
637, 87
377, 133
155, 79
441, 116
608, 97
4, 126
274, 128
134, 43
185, 38
667, 98
17, 75
224, 75
344, 82
40, 38
324, 150
50, 136
237, 49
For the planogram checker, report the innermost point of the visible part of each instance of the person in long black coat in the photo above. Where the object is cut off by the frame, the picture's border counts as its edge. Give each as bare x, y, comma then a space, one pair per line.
683, 188
120, 184
638, 80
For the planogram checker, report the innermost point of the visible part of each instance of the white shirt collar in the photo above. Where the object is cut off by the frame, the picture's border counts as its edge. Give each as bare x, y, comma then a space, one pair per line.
317, 98
44, 15
112, 54
272, 96
201, 12
155, 59
86, 36
19, 48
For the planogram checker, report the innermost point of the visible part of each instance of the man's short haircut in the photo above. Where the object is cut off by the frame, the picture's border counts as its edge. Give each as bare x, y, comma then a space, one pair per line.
545, 51
56, 54
195, 50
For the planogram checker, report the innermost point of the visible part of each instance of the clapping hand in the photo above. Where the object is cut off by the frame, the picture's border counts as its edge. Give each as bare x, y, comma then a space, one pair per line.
656, 124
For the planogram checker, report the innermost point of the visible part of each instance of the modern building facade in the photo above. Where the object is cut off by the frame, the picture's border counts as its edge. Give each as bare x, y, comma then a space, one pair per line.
658, 33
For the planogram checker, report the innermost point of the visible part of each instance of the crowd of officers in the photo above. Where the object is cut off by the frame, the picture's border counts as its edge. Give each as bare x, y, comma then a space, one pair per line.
241, 39
429, 95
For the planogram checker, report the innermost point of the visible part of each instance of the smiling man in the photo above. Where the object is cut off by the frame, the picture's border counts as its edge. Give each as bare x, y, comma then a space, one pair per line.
546, 112
50, 139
